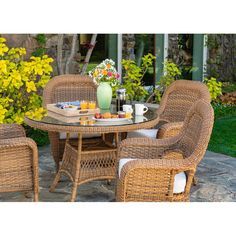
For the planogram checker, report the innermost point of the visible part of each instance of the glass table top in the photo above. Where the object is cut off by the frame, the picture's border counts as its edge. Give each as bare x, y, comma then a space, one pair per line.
90, 121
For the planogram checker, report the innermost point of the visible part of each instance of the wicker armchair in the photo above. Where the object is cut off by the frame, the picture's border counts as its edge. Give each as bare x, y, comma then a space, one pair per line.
66, 88
163, 169
176, 102
18, 161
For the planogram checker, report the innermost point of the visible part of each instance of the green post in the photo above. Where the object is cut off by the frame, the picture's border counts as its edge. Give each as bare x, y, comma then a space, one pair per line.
159, 53
112, 47
198, 47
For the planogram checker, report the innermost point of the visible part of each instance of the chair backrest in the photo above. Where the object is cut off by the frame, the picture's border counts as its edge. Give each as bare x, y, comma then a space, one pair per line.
65, 88
196, 131
179, 98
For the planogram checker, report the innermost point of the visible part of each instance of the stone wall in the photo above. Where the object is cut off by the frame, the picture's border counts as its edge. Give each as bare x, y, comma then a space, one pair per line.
222, 56
221, 51
221, 61
30, 42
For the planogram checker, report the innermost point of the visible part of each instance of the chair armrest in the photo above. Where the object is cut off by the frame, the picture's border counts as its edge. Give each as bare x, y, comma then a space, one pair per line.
8, 131
169, 130
160, 164
151, 177
145, 147
16, 150
15, 144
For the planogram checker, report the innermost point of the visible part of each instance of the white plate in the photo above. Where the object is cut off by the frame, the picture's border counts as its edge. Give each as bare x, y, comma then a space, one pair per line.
112, 119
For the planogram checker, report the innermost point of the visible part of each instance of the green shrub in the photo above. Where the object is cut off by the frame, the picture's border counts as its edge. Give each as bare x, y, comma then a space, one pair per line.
214, 87
132, 81
41, 50
39, 136
171, 73
228, 87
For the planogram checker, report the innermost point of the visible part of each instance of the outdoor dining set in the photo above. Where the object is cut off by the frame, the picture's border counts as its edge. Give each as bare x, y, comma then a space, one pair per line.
151, 156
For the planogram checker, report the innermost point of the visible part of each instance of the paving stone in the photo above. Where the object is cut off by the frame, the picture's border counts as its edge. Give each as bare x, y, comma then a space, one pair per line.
216, 175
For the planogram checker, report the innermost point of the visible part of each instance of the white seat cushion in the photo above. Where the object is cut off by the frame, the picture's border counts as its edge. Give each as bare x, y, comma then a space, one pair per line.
179, 182
150, 133
75, 135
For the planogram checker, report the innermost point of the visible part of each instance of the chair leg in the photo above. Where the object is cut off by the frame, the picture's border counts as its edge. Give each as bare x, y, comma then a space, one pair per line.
36, 196
74, 192
55, 182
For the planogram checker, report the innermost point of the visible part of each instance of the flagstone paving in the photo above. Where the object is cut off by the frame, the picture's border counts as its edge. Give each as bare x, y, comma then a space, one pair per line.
216, 177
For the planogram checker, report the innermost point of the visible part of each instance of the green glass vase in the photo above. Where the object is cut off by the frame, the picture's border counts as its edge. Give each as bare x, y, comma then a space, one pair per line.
104, 95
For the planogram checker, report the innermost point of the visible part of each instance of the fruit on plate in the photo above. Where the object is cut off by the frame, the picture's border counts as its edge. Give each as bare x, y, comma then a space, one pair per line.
106, 115
98, 116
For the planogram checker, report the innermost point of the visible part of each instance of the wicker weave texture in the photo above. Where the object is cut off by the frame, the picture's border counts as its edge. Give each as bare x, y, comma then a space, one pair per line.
64, 88
18, 161
177, 101
151, 177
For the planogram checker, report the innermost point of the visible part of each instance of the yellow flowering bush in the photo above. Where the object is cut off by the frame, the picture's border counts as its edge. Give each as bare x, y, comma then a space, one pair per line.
21, 84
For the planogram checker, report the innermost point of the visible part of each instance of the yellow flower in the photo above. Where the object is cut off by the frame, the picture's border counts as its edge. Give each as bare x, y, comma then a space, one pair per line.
18, 119
3, 66
3, 49
30, 86
2, 40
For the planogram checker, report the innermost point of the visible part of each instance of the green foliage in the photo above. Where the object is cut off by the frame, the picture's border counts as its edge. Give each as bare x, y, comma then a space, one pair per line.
39, 136
41, 50
41, 39
132, 81
171, 73
221, 110
214, 87
228, 87
20, 84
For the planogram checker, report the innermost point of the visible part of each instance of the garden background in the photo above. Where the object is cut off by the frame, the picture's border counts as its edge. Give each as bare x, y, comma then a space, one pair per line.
80, 53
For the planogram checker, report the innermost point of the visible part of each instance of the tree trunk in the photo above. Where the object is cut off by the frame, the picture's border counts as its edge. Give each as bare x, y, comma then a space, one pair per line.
173, 49
72, 54
59, 54
128, 46
89, 53
140, 53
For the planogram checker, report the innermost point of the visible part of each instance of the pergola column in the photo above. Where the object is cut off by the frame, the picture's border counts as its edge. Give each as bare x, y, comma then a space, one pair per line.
115, 50
198, 56
160, 51
112, 47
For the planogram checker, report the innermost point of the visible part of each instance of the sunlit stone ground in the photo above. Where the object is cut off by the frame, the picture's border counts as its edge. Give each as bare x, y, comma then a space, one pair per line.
216, 177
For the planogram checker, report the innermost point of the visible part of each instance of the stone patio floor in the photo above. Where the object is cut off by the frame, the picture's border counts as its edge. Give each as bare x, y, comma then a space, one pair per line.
216, 177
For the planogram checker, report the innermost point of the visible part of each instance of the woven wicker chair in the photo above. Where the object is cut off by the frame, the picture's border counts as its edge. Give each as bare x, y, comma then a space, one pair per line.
18, 161
176, 102
66, 88
163, 169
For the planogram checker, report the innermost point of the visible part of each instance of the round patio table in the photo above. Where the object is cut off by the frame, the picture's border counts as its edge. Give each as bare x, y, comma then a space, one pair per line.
91, 158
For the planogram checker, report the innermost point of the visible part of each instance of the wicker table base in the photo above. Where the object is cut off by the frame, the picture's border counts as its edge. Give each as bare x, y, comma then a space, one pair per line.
91, 159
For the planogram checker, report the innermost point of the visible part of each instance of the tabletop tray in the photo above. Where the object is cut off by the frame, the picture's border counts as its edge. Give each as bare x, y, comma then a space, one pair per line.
67, 115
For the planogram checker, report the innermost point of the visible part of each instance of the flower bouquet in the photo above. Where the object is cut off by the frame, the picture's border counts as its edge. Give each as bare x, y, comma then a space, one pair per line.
105, 76
104, 72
